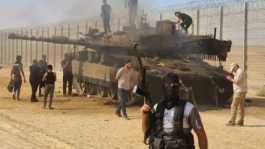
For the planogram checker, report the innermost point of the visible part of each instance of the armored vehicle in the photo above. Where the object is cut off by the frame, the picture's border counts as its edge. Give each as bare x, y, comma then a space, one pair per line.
162, 49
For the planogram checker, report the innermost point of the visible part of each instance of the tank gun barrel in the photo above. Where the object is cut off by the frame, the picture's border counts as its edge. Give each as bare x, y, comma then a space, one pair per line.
98, 45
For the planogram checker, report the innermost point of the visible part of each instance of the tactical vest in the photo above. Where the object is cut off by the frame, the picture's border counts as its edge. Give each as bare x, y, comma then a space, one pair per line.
178, 139
50, 78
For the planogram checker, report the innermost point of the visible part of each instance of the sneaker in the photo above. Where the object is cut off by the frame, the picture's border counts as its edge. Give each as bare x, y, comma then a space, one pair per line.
118, 114
51, 108
126, 118
230, 123
240, 123
14, 97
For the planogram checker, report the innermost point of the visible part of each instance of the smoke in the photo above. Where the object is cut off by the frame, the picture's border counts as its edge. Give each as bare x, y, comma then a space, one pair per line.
20, 13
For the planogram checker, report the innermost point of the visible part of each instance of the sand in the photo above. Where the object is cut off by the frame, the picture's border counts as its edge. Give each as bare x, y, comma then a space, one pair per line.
86, 123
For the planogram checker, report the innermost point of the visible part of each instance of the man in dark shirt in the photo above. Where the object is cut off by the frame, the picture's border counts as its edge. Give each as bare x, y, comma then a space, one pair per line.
67, 74
43, 66
106, 14
35, 79
183, 20
49, 79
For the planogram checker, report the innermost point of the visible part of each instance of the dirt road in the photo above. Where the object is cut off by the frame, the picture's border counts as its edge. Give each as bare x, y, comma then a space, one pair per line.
86, 123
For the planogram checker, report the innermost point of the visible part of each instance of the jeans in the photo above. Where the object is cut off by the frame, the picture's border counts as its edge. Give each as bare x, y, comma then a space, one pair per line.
49, 90
67, 80
34, 87
123, 99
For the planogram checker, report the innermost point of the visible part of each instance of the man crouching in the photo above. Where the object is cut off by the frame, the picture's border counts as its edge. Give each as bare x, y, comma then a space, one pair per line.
169, 123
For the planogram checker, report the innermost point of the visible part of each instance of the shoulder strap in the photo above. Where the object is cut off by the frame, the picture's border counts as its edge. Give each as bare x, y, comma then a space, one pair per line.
178, 117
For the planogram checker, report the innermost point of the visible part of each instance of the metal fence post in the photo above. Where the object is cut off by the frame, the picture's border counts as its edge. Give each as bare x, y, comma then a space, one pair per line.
221, 22
42, 43
37, 44
21, 44
69, 34
54, 52
62, 46
17, 43
198, 21
26, 49
12, 51
9, 49
245, 44
31, 50
48, 45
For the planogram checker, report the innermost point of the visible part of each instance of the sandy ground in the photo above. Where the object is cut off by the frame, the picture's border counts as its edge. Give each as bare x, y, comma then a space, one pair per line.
86, 123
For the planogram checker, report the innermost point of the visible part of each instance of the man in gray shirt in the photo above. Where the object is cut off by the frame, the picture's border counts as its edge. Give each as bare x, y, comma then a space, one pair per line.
124, 76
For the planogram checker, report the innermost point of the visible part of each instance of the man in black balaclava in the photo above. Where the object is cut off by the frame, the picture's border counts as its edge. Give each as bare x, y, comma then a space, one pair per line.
172, 119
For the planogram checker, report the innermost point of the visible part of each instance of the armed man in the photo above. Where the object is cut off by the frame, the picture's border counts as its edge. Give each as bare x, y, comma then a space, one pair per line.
168, 124
183, 20
106, 15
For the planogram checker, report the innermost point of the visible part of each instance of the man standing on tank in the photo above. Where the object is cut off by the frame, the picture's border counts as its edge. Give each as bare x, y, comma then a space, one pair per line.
133, 8
67, 74
106, 16
124, 76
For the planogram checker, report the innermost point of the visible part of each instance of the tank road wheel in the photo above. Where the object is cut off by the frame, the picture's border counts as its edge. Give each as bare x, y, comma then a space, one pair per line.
102, 91
92, 89
113, 93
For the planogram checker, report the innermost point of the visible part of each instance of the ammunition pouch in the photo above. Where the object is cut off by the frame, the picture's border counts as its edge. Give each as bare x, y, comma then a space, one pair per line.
168, 142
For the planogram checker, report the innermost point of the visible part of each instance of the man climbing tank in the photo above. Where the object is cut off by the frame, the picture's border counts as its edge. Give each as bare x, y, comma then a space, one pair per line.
183, 20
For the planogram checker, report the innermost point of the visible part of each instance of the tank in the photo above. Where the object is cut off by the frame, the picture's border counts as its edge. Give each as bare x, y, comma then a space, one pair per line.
163, 49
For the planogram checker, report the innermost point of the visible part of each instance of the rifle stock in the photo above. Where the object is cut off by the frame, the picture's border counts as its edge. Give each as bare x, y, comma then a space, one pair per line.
143, 90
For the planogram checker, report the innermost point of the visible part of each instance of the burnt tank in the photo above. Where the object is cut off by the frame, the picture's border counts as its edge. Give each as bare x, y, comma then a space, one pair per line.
163, 49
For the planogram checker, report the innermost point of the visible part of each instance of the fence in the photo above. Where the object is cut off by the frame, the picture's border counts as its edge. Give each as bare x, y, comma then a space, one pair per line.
243, 23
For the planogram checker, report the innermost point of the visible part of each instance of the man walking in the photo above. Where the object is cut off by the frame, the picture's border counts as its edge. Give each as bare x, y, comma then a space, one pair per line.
67, 74
168, 124
16, 72
239, 80
49, 78
34, 79
106, 15
124, 76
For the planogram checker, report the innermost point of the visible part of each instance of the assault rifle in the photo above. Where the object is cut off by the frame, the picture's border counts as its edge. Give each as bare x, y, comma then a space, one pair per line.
142, 88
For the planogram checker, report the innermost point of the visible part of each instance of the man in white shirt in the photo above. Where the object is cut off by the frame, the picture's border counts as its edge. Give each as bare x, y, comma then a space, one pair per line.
239, 80
124, 76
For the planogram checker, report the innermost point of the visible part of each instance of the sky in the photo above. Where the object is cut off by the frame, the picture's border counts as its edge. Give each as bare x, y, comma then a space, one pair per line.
21, 13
